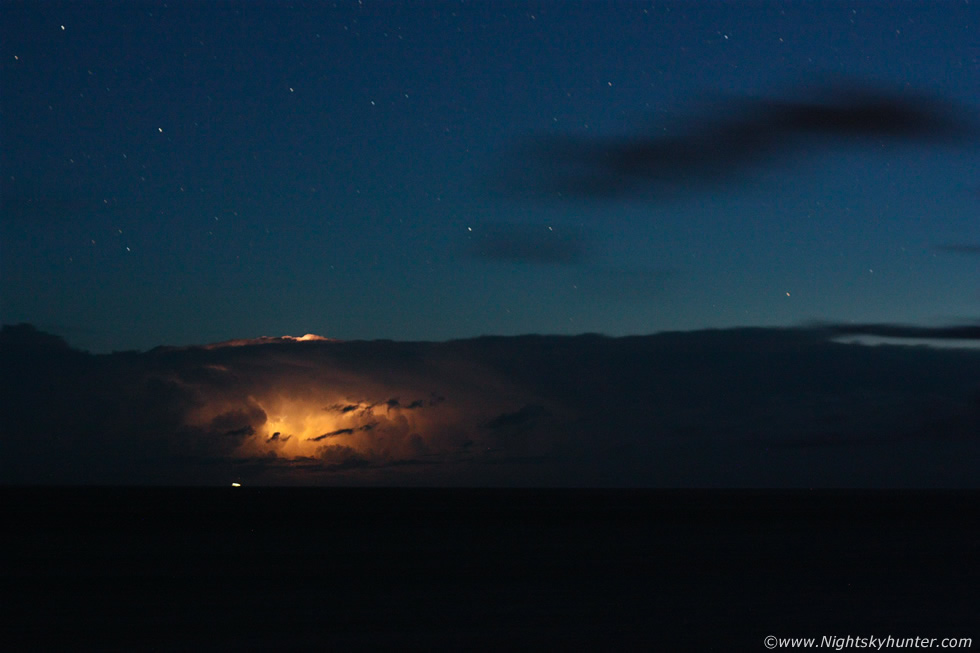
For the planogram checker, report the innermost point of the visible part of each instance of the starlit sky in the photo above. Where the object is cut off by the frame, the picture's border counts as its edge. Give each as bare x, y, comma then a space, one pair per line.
187, 172
394, 176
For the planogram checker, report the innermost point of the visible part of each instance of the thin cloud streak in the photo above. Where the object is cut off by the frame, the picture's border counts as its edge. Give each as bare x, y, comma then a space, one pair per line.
958, 332
712, 150
969, 250
524, 243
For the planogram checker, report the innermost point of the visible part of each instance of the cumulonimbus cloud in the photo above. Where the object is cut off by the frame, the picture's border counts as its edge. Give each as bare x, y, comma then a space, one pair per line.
750, 407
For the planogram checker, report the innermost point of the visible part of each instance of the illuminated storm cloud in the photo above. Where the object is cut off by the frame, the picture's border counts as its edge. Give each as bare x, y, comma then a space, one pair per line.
739, 407
315, 402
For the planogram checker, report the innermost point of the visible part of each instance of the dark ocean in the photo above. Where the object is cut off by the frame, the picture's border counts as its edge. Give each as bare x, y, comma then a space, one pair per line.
168, 569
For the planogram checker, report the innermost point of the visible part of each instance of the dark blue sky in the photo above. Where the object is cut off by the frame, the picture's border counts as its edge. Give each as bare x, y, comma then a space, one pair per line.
192, 172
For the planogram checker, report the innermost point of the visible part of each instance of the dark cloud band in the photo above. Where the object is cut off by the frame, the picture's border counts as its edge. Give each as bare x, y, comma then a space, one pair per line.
712, 149
707, 408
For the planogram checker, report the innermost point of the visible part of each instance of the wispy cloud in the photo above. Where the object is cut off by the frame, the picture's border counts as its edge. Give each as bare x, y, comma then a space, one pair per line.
955, 332
738, 133
525, 243
969, 250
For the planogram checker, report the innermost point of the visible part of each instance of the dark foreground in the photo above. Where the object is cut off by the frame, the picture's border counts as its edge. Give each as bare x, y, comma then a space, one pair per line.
337, 569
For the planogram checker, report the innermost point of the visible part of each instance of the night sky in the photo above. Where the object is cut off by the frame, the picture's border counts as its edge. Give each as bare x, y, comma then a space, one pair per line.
680, 227
185, 173
410, 324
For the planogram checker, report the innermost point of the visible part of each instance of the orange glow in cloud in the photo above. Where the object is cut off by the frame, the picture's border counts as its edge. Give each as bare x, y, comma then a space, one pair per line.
717, 407
301, 399
315, 427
